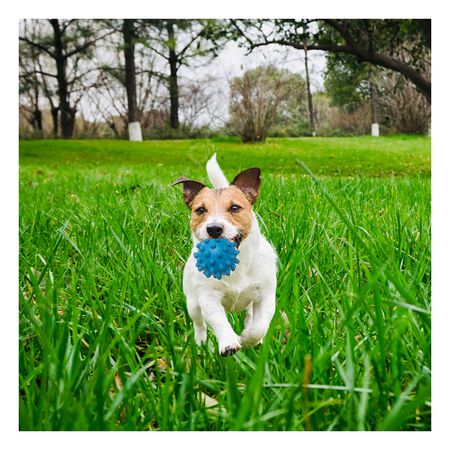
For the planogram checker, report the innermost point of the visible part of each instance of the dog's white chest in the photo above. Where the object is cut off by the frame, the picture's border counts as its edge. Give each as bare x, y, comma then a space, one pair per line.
235, 301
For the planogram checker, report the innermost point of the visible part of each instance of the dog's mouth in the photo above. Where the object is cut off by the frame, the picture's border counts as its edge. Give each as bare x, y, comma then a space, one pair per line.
237, 239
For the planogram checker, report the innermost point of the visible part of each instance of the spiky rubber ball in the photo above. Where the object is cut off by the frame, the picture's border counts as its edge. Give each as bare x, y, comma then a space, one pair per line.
216, 257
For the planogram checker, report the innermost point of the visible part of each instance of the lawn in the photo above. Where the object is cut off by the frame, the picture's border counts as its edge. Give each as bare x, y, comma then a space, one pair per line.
105, 340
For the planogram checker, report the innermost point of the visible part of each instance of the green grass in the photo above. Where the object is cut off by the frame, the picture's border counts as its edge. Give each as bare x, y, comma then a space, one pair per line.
365, 156
105, 340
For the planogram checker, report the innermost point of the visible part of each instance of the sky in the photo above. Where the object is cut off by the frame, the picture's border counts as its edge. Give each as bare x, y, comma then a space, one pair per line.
233, 61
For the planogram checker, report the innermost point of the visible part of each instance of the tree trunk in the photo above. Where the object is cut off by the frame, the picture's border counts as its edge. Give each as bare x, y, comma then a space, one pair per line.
67, 113
54, 111
37, 113
37, 120
113, 127
173, 79
375, 131
129, 36
312, 122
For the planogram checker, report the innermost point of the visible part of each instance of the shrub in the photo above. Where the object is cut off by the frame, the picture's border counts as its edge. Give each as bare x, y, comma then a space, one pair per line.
260, 98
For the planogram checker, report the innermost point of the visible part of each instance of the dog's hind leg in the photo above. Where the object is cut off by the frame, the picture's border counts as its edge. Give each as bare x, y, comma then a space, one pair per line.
195, 313
248, 321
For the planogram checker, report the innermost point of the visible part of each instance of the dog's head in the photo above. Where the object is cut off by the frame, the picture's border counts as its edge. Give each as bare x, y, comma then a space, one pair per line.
222, 213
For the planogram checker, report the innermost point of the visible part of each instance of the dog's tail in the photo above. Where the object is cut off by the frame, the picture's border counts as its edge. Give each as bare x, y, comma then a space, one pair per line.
215, 173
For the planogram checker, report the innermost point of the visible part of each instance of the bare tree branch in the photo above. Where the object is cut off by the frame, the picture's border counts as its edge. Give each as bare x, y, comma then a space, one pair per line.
37, 45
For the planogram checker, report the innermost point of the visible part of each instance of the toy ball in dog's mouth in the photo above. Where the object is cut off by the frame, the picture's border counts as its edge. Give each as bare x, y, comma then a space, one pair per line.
216, 257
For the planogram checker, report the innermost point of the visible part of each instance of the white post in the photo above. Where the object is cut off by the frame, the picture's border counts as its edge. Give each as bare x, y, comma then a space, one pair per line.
375, 129
134, 131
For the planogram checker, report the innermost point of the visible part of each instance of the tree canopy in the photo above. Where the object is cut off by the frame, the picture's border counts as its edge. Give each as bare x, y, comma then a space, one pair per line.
403, 46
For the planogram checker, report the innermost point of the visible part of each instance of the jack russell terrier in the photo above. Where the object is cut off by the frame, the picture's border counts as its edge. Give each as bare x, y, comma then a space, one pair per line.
226, 212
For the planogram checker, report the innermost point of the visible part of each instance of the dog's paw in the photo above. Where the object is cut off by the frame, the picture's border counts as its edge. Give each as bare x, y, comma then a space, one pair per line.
230, 349
252, 338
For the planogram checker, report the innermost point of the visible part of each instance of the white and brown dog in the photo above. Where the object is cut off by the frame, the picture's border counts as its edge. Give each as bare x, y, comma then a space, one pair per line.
226, 212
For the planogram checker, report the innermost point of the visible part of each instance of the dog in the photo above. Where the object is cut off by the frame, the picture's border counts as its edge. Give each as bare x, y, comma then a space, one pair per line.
226, 212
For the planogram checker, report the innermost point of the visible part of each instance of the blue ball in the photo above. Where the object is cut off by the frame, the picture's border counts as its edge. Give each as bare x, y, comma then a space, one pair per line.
216, 257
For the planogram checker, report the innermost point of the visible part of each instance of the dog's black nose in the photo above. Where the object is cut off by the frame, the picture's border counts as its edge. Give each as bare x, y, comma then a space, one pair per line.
214, 230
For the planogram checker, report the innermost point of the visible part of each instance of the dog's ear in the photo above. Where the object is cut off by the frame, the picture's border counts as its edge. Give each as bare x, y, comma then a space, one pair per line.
190, 189
248, 182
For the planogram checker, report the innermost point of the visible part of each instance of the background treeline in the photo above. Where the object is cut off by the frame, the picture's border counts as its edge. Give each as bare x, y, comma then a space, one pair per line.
93, 78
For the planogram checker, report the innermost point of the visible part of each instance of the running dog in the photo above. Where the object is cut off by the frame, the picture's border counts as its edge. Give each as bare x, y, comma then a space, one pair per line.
226, 212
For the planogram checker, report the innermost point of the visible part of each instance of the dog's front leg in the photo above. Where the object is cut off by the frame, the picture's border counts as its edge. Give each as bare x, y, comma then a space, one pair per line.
196, 315
263, 311
216, 318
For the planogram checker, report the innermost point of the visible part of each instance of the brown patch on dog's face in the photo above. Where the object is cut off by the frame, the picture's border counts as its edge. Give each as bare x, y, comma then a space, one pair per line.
229, 207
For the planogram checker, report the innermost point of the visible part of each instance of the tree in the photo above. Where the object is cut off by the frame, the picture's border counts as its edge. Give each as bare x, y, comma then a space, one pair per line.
375, 130
179, 43
203, 104
33, 82
398, 105
259, 98
375, 41
29, 87
346, 81
312, 122
128, 88
67, 44
351, 83
404, 109
129, 38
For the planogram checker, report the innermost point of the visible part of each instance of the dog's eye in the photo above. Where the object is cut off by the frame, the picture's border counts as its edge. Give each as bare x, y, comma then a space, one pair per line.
200, 211
235, 208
